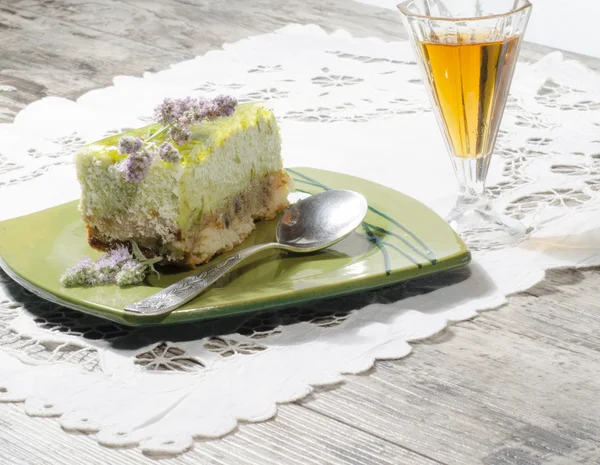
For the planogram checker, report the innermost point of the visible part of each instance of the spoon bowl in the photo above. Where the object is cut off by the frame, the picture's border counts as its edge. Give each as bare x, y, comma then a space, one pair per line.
321, 220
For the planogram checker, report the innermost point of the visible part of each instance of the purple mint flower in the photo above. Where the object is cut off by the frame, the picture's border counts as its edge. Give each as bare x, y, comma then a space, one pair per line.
191, 112
131, 273
106, 267
181, 113
185, 120
129, 145
165, 112
198, 110
114, 257
169, 153
210, 111
218, 107
79, 275
180, 136
117, 266
225, 104
186, 104
171, 111
137, 166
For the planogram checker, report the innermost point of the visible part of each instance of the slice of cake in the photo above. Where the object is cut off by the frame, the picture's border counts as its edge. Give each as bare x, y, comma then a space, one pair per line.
188, 187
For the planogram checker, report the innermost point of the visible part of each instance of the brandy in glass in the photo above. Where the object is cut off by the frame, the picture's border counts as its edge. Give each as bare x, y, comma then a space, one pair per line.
467, 50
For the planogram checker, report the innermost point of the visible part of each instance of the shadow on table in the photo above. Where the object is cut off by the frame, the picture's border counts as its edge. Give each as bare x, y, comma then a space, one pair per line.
325, 313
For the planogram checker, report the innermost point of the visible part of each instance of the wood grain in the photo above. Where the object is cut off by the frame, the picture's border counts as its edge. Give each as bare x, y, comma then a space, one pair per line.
67, 47
514, 386
298, 437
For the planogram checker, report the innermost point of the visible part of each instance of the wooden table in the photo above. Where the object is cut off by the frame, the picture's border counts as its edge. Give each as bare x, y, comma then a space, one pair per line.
515, 386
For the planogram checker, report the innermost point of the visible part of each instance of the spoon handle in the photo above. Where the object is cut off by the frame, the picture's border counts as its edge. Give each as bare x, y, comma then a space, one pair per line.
183, 291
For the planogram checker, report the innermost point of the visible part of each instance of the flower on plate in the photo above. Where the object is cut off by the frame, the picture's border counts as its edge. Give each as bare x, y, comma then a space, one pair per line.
79, 275
131, 273
117, 266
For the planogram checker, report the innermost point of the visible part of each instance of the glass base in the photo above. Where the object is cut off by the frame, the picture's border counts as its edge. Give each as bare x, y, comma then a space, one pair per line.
482, 228
473, 218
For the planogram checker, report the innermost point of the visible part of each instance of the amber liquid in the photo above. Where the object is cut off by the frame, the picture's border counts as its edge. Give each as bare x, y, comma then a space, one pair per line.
470, 83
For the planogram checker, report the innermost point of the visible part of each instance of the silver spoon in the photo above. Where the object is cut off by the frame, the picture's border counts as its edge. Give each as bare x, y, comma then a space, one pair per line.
312, 224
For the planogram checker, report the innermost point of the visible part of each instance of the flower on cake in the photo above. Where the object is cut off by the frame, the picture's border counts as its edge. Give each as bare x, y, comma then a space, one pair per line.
129, 145
169, 153
176, 117
137, 165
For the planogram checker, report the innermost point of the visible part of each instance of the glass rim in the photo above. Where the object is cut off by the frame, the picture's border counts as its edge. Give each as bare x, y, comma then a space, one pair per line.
403, 7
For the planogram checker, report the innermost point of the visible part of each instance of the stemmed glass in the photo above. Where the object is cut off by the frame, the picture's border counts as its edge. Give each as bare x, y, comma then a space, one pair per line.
467, 50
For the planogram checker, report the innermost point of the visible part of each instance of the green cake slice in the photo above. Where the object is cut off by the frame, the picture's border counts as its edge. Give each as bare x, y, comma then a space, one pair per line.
230, 173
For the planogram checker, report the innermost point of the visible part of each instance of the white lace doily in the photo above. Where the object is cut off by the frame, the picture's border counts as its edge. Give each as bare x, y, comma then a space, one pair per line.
344, 104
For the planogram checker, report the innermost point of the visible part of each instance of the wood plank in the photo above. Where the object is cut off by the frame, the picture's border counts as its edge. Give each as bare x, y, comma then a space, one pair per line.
516, 385
67, 47
301, 437
297, 437
43, 56
40, 441
174, 25
200, 25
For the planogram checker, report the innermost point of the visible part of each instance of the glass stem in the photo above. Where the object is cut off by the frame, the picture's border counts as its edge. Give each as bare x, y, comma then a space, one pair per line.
471, 174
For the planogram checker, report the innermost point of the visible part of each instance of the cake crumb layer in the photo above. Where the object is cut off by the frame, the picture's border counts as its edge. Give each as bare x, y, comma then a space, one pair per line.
216, 233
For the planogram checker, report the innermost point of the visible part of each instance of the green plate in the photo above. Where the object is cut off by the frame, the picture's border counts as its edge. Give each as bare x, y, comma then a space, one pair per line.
399, 240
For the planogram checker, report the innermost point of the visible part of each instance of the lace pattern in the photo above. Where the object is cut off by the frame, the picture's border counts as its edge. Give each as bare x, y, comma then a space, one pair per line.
346, 104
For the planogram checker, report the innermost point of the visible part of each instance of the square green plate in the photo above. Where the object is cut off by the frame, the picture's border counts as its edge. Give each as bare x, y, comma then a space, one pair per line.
399, 240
